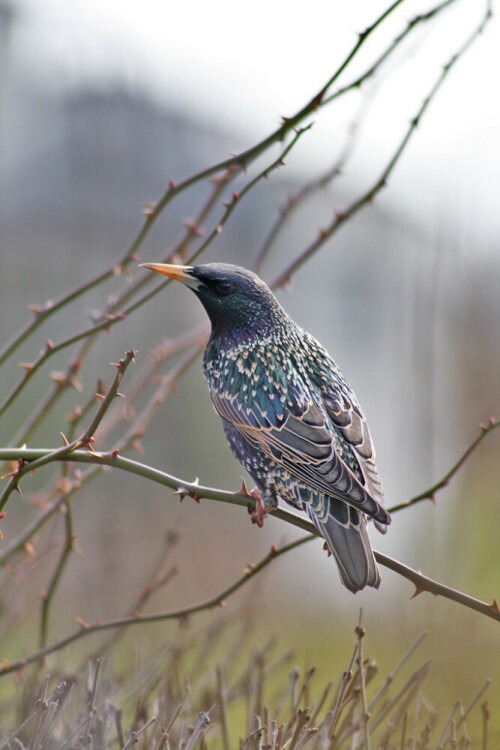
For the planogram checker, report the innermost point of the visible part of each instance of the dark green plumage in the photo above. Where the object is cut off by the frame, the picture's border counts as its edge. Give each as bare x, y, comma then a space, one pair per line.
289, 415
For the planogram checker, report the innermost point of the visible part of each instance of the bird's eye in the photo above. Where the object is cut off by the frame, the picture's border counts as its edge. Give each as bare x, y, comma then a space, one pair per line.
224, 287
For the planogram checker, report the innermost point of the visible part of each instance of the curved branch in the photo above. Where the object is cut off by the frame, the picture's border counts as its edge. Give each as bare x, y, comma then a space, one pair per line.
238, 162
197, 491
177, 614
342, 216
444, 482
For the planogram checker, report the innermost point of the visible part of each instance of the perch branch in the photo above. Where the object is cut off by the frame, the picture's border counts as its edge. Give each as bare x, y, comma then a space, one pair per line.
194, 489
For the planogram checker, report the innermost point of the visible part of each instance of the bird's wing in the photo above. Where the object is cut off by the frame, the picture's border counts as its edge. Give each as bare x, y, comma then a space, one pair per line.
294, 432
349, 420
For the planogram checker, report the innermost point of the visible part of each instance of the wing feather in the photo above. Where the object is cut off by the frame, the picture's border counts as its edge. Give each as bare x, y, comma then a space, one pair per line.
300, 439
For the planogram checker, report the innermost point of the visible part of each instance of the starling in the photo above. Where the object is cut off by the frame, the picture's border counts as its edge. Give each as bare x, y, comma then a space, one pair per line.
289, 415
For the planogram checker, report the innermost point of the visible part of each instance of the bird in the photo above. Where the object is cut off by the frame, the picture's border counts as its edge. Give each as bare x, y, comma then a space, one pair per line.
289, 415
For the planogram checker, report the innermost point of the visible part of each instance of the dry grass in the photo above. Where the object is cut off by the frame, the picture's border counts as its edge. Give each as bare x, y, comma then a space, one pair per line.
212, 688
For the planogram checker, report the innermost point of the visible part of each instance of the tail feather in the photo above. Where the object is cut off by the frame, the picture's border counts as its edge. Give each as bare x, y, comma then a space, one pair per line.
348, 541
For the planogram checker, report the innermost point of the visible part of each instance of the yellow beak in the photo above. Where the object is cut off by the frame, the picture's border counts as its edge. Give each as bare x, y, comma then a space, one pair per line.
179, 273
184, 274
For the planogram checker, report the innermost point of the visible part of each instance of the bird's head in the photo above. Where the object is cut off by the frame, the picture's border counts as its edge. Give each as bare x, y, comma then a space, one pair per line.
239, 304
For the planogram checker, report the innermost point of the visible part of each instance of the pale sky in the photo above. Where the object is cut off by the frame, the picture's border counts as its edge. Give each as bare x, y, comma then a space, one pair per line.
244, 66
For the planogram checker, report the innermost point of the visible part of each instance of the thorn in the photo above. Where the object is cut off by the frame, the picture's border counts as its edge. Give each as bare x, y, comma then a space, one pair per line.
63, 485
193, 494
243, 490
181, 491
494, 606
273, 551
65, 439
171, 184
218, 228
149, 209
222, 603
77, 412
26, 365
59, 378
75, 383
137, 445
100, 396
417, 592
194, 229
36, 309
49, 345
19, 465
82, 623
120, 395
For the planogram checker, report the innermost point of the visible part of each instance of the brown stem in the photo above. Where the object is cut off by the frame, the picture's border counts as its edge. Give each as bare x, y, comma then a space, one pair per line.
129, 621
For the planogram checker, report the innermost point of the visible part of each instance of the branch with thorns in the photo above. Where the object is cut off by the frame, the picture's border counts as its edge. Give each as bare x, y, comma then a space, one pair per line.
243, 498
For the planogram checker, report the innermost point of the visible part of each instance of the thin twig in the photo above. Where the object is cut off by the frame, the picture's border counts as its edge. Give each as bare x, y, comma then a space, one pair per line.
365, 716
86, 439
342, 216
339, 702
238, 162
136, 619
430, 493
194, 489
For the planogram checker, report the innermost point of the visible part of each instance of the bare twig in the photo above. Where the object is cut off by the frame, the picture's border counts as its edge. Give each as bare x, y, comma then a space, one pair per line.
234, 164
137, 619
86, 438
181, 487
342, 216
339, 702
365, 716
444, 482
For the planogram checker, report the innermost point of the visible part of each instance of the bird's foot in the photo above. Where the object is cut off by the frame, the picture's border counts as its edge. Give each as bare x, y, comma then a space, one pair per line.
257, 514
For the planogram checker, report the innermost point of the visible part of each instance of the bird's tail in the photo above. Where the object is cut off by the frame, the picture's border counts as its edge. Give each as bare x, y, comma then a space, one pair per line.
346, 535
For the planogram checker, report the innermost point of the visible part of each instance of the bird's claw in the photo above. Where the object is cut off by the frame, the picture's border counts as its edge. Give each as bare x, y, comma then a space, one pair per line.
257, 514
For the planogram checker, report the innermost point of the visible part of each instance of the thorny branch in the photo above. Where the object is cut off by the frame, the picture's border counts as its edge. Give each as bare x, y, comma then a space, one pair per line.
197, 491
239, 163
86, 439
119, 307
342, 216
137, 619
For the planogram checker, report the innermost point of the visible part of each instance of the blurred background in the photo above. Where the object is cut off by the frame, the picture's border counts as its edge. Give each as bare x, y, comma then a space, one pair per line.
101, 105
